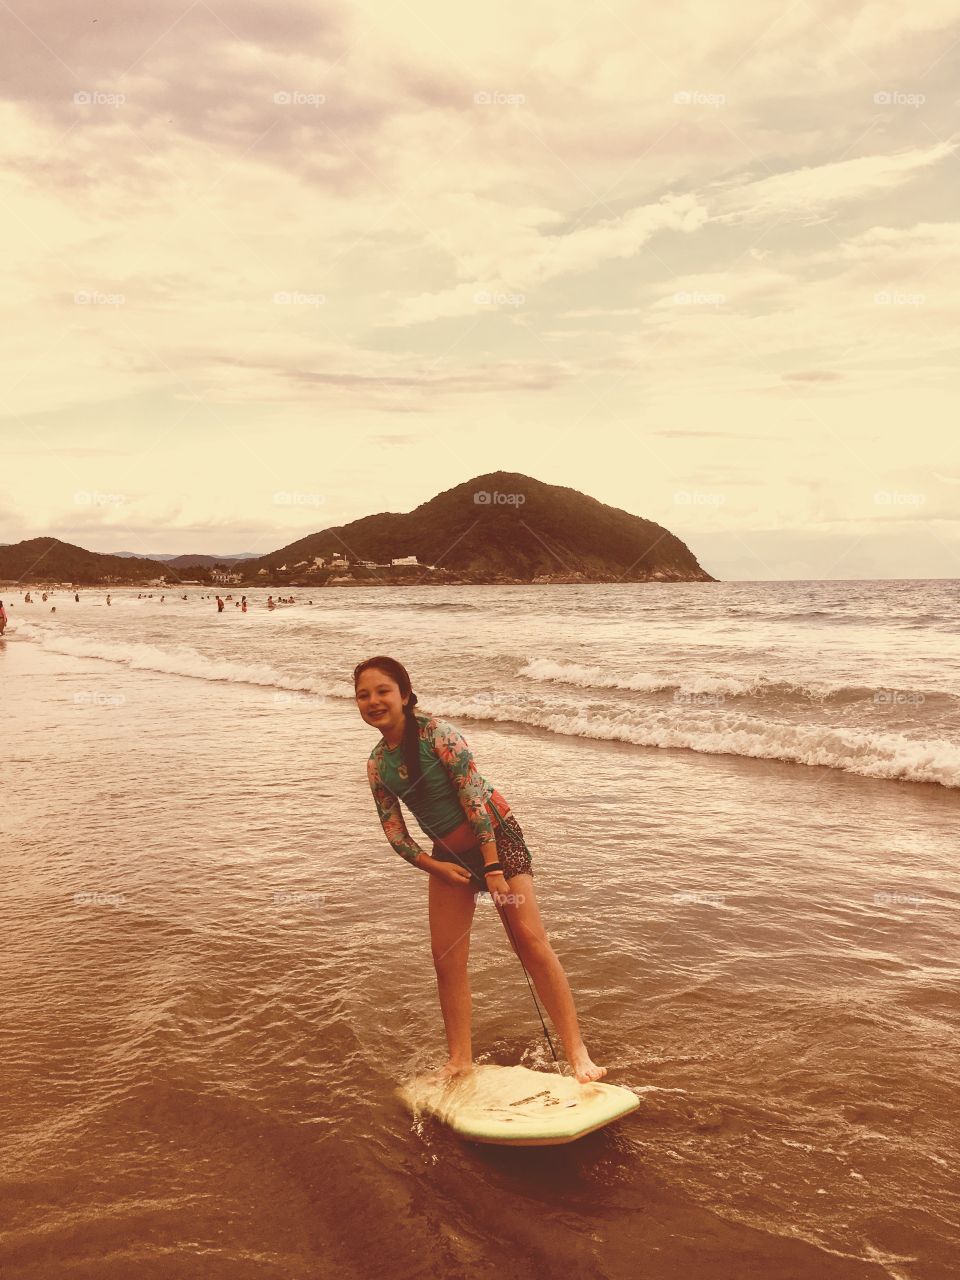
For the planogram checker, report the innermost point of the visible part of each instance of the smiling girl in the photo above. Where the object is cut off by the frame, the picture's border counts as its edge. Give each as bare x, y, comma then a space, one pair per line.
477, 847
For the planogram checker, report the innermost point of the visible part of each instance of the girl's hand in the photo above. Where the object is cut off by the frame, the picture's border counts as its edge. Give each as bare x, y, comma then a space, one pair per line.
452, 874
496, 882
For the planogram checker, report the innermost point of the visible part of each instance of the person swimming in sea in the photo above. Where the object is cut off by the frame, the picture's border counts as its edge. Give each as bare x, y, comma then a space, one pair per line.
478, 847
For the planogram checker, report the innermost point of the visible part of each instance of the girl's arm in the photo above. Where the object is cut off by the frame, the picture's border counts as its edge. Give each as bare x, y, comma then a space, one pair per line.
451, 748
391, 819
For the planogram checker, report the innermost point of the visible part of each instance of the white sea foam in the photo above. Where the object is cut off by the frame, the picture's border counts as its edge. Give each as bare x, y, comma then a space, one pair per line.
872, 753
181, 660
546, 671
591, 677
713, 730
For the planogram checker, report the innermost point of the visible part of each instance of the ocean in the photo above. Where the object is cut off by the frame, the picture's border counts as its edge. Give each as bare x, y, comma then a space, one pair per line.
742, 803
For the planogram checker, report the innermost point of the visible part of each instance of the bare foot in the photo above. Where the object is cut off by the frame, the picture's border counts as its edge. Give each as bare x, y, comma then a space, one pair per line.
451, 1070
586, 1070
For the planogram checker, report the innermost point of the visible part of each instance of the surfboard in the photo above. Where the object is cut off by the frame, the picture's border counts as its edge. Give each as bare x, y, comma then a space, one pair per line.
518, 1107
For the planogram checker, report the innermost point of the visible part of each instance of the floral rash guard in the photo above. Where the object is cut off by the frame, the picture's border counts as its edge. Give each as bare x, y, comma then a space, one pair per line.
453, 787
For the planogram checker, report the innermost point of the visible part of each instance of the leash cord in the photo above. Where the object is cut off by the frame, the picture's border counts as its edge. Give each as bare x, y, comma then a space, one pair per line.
506, 921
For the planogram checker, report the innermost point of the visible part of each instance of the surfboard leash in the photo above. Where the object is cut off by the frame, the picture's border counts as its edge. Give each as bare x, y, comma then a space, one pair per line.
506, 921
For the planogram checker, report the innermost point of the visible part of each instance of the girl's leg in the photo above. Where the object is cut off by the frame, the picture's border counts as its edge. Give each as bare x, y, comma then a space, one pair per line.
541, 962
451, 909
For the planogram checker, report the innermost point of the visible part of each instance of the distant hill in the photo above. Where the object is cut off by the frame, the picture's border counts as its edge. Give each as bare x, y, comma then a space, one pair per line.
206, 562
501, 527
189, 557
50, 560
498, 527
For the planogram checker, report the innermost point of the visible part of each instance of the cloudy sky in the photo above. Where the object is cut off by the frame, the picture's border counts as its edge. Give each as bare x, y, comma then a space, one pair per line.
271, 267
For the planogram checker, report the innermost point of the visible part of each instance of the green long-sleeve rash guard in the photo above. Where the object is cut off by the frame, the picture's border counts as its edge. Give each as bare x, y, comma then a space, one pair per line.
452, 788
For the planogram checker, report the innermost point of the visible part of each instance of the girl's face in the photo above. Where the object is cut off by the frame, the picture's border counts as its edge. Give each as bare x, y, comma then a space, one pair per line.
379, 701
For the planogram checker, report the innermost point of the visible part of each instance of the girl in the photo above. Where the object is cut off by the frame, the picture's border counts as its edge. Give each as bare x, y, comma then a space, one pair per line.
477, 847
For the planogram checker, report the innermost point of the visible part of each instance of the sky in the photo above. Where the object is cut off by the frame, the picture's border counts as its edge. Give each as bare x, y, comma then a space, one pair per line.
271, 268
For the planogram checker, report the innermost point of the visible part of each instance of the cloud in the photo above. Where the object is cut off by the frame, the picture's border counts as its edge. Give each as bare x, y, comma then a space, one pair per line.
578, 269
502, 251
808, 193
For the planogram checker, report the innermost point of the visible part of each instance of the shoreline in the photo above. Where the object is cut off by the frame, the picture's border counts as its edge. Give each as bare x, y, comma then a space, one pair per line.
548, 580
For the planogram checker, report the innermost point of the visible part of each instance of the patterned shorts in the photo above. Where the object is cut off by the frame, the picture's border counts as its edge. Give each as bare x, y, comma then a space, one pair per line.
511, 848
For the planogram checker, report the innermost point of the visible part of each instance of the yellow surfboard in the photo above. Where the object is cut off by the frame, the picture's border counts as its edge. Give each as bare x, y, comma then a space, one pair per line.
517, 1107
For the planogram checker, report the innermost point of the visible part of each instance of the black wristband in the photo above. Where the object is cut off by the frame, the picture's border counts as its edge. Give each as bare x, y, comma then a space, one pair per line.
494, 866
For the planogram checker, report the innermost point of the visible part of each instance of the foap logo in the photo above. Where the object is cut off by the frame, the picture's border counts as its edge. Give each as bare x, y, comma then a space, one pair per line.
898, 900
96, 899
298, 898
513, 899
698, 98
98, 98
297, 698
897, 98
90, 698
93, 298
699, 898
484, 498
286, 498
890, 498
491, 298
891, 298
292, 298
93, 498
898, 698
497, 98
684, 698
696, 299
296, 98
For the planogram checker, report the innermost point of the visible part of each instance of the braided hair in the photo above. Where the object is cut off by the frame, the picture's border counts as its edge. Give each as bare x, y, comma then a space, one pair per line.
411, 733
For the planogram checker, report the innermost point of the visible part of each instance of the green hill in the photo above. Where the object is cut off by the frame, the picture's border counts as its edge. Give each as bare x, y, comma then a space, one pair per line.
50, 560
502, 526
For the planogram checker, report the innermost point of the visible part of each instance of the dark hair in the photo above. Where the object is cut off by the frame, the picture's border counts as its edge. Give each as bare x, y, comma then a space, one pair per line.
410, 746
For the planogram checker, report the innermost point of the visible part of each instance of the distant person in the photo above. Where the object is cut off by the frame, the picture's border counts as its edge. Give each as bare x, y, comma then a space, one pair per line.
162, 598
27, 599
219, 605
108, 599
243, 604
3, 618
76, 597
270, 604
53, 608
44, 597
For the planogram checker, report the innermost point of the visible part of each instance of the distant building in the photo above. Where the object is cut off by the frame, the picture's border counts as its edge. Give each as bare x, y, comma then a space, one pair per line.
404, 560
